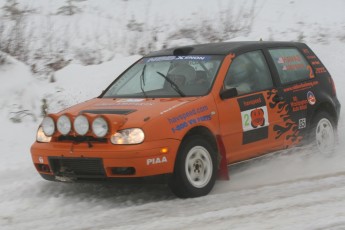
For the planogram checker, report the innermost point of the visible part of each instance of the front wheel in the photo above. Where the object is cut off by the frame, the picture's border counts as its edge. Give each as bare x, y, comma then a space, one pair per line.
323, 132
195, 168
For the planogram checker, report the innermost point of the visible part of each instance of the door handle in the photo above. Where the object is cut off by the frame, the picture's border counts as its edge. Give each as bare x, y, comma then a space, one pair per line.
277, 98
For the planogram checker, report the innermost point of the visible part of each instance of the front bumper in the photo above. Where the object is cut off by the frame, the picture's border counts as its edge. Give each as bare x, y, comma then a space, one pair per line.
99, 161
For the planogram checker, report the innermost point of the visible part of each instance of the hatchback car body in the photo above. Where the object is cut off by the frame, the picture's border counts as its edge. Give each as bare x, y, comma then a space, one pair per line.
189, 112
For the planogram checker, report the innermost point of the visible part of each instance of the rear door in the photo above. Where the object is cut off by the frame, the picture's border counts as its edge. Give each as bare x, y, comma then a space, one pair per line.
296, 92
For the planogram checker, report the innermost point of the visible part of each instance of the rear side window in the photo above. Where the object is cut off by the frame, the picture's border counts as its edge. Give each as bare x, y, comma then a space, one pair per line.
291, 65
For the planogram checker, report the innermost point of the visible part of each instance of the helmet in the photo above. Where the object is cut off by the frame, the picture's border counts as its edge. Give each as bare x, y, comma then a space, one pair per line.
184, 70
240, 72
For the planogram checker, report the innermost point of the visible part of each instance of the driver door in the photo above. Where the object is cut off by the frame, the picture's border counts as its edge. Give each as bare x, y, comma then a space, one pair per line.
247, 120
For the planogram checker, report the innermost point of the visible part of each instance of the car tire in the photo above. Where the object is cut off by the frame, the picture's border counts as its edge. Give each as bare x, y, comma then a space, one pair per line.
323, 133
48, 177
195, 168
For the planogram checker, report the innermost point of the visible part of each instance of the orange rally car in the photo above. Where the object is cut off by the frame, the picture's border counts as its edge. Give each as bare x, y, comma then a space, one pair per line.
186, 113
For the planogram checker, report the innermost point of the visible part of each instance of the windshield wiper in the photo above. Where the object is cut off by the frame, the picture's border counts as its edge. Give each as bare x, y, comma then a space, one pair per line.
142, 81
173, 84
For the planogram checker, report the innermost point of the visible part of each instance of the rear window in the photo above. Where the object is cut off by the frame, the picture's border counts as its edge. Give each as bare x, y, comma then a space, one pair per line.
291, 65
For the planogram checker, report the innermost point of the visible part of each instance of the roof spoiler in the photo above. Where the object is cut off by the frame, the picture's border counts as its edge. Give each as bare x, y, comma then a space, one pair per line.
183, 51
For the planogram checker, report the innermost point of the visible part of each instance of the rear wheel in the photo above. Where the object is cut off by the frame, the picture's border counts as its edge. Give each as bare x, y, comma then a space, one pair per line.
323, 132
195, 168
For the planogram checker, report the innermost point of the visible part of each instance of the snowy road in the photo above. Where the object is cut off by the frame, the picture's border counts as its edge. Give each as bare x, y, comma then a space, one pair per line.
262, 194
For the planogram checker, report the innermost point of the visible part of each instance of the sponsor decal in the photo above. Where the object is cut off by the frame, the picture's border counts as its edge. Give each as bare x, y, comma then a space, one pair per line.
302, 123
253, 102
184, 116
156, 160
291, 63
174, 58
254, 118
311, 57
298, 105
188, 118
191, 121
289, 59
131, 100
302, 86
311, 98
320, 70
306, 51
316, 63
40, 159
257, 116
293, 67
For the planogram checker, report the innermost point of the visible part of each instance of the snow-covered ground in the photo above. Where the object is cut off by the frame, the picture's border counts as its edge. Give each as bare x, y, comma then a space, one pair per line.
292, 189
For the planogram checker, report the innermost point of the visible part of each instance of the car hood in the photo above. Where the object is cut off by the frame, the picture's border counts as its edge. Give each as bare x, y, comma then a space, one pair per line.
132, 111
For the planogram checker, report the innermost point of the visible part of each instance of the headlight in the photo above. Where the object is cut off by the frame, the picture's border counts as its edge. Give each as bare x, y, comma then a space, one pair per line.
81, 125
128, 136
48, 126
64, 125
100, 127
41, 137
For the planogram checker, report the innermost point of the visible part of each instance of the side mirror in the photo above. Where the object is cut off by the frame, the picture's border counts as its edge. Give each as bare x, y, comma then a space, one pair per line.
228, 93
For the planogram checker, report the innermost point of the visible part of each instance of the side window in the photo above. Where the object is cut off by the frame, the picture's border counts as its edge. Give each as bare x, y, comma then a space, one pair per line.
248, 73
291, 65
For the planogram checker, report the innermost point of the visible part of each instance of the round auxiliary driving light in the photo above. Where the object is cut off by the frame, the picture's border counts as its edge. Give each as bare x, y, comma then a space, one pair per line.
48, 126
64, 125
81, 125
100, 127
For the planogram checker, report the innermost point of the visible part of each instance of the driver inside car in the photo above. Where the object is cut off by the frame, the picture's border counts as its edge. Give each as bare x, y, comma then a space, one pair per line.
179, 80
182, 75
239, 77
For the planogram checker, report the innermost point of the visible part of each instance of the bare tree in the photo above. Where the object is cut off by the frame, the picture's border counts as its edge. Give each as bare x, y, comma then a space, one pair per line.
13, 11
3, 58
70, 8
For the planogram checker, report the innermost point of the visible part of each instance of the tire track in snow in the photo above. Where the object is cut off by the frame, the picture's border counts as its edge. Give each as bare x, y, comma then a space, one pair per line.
280, 201
236, 208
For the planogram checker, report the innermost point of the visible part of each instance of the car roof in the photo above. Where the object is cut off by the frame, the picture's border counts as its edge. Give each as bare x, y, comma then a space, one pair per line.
221, 48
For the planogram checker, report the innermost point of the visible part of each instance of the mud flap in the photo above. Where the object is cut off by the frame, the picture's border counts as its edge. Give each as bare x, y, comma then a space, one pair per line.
223, 173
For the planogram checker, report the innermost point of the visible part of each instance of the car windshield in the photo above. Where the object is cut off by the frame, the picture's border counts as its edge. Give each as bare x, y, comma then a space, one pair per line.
167, 76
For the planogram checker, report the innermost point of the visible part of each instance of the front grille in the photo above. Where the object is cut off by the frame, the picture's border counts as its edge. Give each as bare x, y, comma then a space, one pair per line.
77, 167
80, 139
